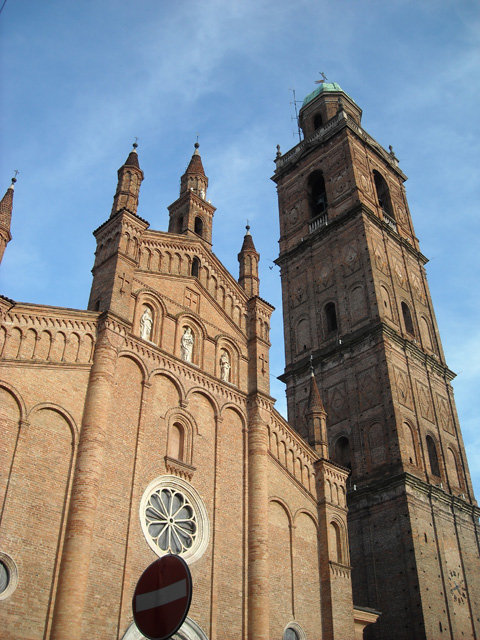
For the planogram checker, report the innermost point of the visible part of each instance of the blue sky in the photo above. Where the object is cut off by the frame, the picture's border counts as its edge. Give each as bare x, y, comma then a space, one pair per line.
80, 80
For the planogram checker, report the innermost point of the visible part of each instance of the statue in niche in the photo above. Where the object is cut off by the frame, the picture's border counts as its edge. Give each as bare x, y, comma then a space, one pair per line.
146, 324
187, 345
225, 367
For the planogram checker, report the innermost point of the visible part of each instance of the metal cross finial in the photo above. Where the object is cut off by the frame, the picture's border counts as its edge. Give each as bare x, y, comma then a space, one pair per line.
16, 172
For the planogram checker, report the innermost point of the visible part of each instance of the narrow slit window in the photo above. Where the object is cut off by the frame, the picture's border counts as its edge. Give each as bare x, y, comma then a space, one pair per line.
331, 317
407, 319
432, 456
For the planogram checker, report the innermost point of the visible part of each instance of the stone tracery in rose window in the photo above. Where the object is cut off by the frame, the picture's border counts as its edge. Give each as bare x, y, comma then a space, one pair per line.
171, 521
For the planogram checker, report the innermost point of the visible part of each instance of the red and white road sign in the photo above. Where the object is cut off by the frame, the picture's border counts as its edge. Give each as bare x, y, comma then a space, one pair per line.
162, 597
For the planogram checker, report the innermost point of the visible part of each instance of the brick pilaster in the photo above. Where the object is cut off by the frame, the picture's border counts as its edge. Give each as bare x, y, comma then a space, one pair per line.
258, 578
73, 577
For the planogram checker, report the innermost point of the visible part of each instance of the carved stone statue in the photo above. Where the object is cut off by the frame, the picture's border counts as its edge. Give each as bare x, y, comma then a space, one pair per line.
146, 324
187, 345
225, 367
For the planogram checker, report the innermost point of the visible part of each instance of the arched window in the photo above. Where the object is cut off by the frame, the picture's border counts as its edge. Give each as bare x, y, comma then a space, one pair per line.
317, 121
318, 194
383, 194
342, 452
180, 224
331, 317
199, 226
432, 456
195, 267
176, 441
294, 631
407, 319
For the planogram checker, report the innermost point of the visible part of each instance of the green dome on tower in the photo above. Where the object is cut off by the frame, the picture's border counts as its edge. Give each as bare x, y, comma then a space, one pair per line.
323, 88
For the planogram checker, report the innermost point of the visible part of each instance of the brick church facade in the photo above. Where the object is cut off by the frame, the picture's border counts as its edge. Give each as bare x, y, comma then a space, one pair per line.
144, 425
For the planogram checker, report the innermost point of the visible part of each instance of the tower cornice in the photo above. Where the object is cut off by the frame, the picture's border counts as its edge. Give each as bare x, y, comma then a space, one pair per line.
340, 121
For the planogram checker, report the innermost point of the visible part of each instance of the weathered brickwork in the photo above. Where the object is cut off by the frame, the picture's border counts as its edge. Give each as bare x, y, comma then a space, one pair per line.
98, 405
159, 394
357, 311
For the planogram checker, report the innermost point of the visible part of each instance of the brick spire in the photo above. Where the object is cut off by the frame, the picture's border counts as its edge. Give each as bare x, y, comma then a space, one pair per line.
316, 418
248, 259
130, 177
6, 208
194, 178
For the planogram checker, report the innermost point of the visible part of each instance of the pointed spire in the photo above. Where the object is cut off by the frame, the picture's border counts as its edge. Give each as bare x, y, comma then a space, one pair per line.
195, 165
315, 403
316, 418
194, 178
130, 177
248, 241
6, 209
132, 160
248, 259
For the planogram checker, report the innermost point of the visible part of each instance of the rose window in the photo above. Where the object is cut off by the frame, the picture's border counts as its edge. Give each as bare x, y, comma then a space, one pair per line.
171, 521
174, 518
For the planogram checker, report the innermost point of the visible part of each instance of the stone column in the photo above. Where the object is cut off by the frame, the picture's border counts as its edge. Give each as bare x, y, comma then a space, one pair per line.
74, 568
258, 578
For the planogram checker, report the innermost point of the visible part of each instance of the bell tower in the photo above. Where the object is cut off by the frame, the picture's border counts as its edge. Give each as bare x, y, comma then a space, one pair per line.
357, 307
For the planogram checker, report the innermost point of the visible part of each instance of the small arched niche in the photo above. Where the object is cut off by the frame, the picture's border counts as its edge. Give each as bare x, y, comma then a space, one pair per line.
176, 442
